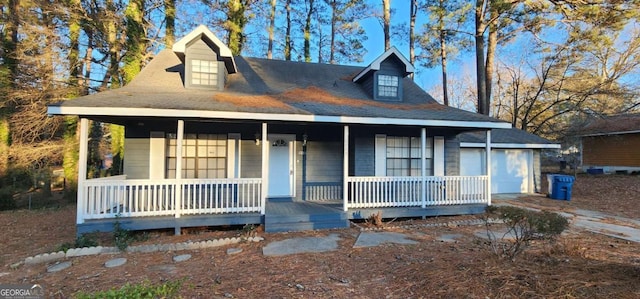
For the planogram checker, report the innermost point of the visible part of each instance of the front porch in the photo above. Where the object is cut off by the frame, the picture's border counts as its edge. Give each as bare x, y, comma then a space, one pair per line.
331, 173
172, 203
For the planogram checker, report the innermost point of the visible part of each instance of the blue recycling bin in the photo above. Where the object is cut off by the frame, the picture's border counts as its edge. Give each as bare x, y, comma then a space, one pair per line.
561, 186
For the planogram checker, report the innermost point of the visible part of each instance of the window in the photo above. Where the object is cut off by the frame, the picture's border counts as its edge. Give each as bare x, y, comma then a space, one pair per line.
403, 156
388, 86
204, 72
203, 156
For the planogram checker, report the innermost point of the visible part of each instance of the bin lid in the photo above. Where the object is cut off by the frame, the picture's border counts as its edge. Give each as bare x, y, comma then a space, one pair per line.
563, 178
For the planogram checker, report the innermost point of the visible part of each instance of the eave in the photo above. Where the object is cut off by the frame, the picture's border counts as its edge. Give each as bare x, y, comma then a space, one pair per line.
513, 145
232, 115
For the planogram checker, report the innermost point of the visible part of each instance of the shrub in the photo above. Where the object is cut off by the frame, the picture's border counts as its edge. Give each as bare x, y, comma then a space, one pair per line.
523, 226
142, 290
84, 240
121, 237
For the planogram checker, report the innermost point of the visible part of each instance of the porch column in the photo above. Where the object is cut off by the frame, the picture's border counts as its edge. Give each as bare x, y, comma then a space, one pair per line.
488, 166
345, 169
82, 170
423, 152
265, 170
179, 138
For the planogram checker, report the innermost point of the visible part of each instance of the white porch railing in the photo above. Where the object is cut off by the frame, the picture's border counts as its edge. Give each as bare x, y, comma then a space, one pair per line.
108, 198
376, 192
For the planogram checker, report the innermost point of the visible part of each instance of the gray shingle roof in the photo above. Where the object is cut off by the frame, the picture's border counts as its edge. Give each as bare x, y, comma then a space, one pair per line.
271, 86
504, 136
613, 124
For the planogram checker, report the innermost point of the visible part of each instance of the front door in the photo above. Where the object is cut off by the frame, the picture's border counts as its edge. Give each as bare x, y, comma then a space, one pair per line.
281, 166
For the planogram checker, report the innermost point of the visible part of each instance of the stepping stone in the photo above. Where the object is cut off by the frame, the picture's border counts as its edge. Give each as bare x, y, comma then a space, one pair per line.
231, 251
59, 267
302, 245
115, 262
449, 238
181, 258
371, 239
170, 269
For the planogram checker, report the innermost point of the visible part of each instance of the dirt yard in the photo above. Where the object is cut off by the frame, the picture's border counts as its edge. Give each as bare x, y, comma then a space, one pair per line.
580, 265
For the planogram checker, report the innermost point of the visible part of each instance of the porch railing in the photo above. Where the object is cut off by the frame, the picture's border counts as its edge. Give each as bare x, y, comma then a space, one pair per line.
135, 198
321, 191
376, 192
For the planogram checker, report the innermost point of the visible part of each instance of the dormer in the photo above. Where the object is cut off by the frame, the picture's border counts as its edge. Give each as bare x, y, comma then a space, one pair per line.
207, 61
382, 79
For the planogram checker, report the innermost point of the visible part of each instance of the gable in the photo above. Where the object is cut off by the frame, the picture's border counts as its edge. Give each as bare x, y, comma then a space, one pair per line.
203, 33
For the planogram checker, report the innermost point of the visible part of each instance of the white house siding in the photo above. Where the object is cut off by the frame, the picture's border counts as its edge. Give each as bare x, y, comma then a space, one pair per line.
136, 160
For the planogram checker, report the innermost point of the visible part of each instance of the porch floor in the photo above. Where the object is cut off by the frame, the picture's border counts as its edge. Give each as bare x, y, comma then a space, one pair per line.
279, 216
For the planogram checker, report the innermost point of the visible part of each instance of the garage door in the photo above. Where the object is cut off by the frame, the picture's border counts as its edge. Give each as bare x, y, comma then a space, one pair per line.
510, 168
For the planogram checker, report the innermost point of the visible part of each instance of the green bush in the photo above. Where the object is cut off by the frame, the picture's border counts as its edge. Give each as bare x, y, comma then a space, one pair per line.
121, 237
84, 240
523, 226
143, 290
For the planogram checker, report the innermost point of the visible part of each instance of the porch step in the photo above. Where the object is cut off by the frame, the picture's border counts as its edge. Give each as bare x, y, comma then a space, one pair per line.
301, 216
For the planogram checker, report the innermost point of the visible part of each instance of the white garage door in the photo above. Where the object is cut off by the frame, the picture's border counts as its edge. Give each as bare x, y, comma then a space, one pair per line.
510, 168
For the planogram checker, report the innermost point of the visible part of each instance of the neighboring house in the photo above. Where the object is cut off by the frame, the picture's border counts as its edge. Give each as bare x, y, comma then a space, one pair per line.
612, 144
213, 139
515, 159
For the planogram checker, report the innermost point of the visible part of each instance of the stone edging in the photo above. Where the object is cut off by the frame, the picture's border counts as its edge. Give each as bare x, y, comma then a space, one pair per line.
75, 252
437, 224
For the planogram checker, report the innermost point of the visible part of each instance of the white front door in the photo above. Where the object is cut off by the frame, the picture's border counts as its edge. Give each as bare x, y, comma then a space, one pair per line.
281, 166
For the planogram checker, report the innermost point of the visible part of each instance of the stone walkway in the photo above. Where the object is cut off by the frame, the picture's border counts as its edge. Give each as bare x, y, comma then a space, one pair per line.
596, 222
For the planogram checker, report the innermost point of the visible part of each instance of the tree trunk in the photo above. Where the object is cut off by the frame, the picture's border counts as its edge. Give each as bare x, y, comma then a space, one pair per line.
74, 45
443, 56
272, 27
287, 37
491, 54
480, 67
334, 20
412, 27
10, 59
386, 10
236, 21
307, 33
170, 22
136, 47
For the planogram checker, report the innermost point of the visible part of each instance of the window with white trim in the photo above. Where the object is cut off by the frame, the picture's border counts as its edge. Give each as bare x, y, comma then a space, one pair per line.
204, 72
203, 156
388, 86
404, 156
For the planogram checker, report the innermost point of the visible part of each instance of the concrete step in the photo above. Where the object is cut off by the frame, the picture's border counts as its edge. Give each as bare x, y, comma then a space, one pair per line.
301, 222
275, 227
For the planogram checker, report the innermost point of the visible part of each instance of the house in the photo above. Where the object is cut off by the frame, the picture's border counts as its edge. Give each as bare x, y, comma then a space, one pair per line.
610, 144
216, 139
515, 159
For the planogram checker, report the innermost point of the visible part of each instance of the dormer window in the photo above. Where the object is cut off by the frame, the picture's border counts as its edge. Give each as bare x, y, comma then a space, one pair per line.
388, 87
382, 79
207, 61
204, 73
